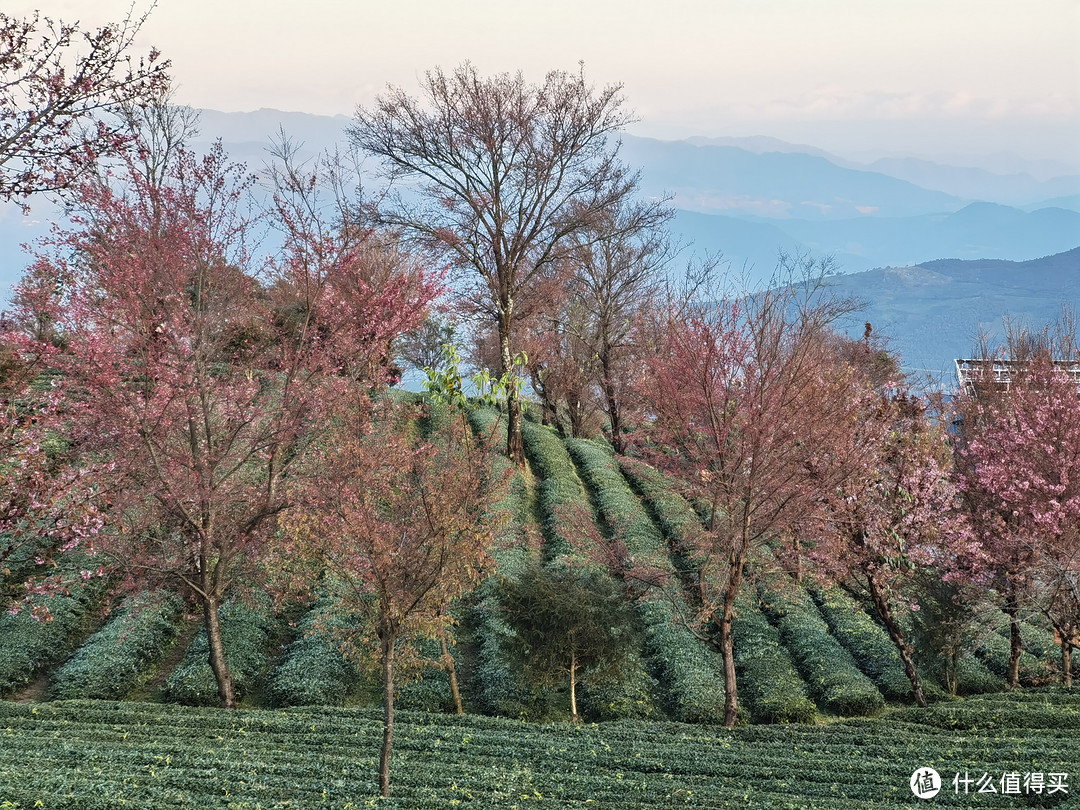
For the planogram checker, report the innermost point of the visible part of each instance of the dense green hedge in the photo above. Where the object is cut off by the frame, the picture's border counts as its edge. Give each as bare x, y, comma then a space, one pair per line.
313, 670
495, 685
768, 682
835, 682
569, 528
870, 646
78, 754
31, 641
245, 633
566, 518
429, 690
992, 646
690, 675
112, 661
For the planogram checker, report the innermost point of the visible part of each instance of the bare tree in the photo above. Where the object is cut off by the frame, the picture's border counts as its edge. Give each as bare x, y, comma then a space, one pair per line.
617, 267
510, 172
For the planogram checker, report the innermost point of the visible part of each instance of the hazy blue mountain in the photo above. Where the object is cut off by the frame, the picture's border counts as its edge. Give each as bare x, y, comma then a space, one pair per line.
977, 184
747, 198
933, 312
977, 231
777, 185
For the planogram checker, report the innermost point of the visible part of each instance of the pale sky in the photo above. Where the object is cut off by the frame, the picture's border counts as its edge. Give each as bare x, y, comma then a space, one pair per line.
919, 76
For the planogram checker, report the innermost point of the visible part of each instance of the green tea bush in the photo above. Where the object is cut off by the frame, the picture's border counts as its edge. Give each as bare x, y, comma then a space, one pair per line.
429, 691
768, 681
313, 670
45, 628
835, 682
497, 683
869, 645
566, 518
245, 633
111, 662
992, 646
97, 754
689, 674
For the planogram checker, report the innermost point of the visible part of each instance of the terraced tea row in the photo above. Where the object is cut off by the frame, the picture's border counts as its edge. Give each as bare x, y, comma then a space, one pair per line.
91, 754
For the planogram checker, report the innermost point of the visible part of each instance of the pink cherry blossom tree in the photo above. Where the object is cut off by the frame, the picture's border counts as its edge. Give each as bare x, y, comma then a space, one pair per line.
194, 379
1019, 468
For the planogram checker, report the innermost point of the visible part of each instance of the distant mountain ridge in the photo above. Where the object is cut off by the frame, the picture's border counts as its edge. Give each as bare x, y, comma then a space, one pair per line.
932, 313
744, 197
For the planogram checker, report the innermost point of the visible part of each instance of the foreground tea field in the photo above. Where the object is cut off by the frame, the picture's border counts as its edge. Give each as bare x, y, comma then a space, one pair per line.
98, 754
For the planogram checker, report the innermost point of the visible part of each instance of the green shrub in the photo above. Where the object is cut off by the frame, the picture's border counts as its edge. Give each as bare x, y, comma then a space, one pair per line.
110, 663
313, 670
689, 674
45, 628
992, 646
835, 682
870, 645
566, 518
245, 633
429, 690
768, 681
497, 683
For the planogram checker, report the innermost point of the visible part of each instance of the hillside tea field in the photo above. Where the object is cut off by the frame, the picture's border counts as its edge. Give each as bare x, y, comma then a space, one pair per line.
99, 754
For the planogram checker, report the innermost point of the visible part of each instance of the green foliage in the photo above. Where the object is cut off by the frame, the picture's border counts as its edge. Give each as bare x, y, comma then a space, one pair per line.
767, 679
568, 618
97, 755
870, 645
245, 631
429, 688
313, 669
498, 683
689, 674
566, 518
111, 662
835, 682
46, 627
992, 647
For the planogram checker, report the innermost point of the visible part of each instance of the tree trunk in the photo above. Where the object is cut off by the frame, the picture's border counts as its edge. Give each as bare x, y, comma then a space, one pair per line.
881, 605
388, 644
514, 448
218, 662
574, 716
612, 402
451, 671
727, 643
1012, 610
1066, 661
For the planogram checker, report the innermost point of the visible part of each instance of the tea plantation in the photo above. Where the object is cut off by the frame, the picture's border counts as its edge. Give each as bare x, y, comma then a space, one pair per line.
812, 664
98, 754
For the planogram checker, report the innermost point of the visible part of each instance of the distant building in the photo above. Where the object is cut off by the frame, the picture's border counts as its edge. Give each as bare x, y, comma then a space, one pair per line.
971, 374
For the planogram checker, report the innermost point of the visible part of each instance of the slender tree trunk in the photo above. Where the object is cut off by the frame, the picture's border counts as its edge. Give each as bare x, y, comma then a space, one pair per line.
1066, 661
1016, 647
611, 401
451, 671
514, 448
548, 409
388, 644
727, 643
577, 416
881, 604
574, 716
218, 662
796, 548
